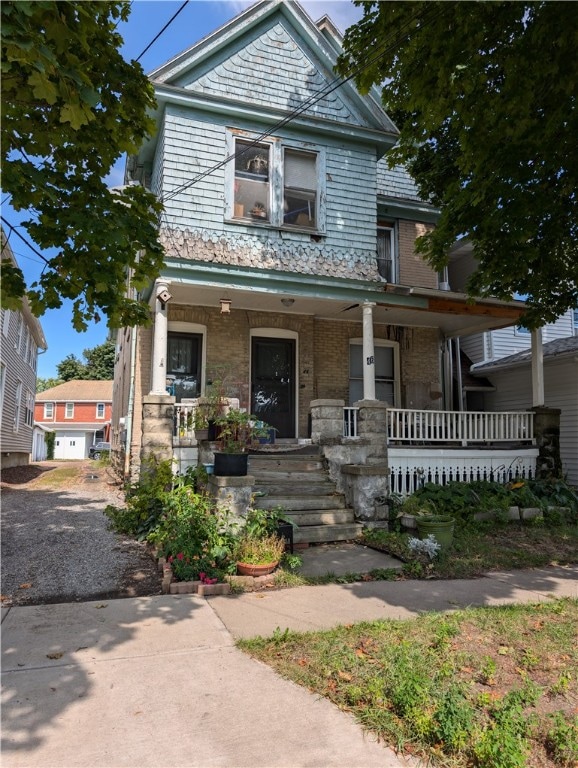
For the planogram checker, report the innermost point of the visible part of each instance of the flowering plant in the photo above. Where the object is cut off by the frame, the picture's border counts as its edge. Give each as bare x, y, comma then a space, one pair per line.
428, 546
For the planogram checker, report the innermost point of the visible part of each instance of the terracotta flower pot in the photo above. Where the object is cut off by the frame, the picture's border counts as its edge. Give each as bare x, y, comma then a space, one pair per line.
247, 569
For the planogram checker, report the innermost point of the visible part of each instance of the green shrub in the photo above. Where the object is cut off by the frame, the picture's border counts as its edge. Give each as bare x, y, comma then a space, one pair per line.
562, 740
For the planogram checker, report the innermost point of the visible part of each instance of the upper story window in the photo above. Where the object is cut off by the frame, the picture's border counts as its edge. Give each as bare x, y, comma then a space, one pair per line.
20, 333
48, 410
300, 188
386, 251
100, 410
252, 194
274, 183
6, 321
69, 411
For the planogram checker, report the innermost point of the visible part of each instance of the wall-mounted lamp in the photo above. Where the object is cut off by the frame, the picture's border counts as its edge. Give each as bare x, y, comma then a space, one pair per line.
225, 306
287, 302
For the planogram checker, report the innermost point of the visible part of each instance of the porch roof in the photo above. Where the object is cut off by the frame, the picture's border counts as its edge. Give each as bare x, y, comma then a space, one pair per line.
202, 284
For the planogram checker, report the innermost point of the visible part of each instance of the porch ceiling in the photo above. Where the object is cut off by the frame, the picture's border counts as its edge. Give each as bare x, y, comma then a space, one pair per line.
432, 309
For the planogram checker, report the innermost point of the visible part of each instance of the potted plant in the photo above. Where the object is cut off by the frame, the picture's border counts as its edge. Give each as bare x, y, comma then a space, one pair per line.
258, 555
238, 431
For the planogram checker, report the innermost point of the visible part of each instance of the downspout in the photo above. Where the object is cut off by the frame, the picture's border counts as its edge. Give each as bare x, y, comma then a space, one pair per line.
129, 417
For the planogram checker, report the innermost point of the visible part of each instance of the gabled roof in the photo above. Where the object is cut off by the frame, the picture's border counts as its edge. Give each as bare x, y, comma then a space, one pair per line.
552, 350
272, 56
77, 390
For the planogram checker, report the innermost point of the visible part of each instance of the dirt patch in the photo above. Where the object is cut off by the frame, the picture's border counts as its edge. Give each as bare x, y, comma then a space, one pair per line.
56, 542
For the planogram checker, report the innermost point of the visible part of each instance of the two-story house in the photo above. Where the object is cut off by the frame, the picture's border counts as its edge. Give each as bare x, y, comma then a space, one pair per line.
290, 267
21, 338
78, 412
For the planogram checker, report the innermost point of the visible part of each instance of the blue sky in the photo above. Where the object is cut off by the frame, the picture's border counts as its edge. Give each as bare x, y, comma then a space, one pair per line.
147, 18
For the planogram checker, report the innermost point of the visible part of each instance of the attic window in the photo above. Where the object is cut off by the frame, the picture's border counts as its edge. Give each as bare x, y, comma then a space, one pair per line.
252, 188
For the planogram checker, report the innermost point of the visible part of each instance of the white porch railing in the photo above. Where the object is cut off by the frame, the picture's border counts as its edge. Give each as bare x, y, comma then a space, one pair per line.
184, 420
411, 426
411, 468
350, 422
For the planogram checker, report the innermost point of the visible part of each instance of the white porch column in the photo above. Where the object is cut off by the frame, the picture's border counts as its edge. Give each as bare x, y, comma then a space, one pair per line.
368, 352
159, 366
537, 368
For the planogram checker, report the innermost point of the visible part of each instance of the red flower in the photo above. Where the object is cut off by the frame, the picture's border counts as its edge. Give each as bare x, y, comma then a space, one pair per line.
180, 556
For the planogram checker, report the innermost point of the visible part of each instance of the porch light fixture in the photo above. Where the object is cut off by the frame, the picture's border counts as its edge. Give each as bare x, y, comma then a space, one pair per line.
225, 306
287, 302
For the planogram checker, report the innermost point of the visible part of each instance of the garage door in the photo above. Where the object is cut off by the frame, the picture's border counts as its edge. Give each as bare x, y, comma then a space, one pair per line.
70, 445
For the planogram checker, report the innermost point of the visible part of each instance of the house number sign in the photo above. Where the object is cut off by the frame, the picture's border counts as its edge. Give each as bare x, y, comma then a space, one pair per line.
370, 360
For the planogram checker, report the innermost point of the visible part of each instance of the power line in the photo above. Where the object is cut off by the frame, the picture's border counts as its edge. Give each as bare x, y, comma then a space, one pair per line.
313, 99
24, 240
169, 22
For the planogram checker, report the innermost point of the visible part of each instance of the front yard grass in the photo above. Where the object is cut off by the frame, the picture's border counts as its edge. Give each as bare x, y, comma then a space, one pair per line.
486, 547
490, 687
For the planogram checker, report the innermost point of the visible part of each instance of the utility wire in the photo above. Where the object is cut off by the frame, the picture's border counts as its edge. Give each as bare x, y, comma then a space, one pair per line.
24, 240
313, 99
169, 22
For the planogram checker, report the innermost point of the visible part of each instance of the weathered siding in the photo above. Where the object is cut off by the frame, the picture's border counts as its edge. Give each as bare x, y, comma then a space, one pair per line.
16, 339
396, 182
473, 346
290, 77
514, 392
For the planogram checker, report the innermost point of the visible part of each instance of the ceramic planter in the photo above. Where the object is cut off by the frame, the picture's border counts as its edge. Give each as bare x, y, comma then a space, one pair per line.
440, 526
247, 569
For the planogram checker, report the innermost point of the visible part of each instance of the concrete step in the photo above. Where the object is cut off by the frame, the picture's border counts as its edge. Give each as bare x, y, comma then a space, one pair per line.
320, 517
310, 534
303, 502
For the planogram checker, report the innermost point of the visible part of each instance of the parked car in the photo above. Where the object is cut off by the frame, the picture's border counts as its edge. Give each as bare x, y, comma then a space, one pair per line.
98, 449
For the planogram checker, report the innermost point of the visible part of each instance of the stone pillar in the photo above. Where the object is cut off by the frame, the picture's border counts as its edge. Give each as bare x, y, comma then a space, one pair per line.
159, 366
233, 495
372, 425
326, 420
157, 426
368, 352
547, 436
365, 483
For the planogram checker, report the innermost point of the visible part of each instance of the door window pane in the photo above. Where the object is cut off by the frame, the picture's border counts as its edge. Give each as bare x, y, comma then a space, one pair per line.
184, 364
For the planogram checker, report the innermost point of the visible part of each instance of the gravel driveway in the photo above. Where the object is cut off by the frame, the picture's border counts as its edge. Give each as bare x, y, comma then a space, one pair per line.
56, 545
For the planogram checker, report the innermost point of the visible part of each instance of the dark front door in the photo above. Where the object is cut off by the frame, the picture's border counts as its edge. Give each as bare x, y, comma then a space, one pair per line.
273, 383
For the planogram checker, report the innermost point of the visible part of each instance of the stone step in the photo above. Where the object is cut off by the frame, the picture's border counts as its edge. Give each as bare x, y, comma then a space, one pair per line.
303, 502
282, 465
320, 517
289, 488
310, 534
273, 476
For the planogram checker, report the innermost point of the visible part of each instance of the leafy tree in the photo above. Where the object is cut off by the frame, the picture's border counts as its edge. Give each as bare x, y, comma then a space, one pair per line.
44, 384
100, 361
71, 106
485, 97
71, 368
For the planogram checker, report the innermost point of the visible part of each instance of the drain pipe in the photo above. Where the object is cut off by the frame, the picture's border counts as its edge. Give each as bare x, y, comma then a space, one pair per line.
129, 415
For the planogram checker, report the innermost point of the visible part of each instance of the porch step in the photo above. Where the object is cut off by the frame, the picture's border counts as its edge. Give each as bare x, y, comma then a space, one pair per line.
311, 534
300, 485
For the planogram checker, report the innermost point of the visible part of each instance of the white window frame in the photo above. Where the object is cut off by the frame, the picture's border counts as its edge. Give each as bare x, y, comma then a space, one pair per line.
29, 409
17, 406
6, 322
2, 384
276, 183
396, 365
66, 411
49, 410
20, 333
100, 407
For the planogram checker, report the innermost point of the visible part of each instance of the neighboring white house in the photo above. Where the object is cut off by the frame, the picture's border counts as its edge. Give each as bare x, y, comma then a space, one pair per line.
21, 337
512, 382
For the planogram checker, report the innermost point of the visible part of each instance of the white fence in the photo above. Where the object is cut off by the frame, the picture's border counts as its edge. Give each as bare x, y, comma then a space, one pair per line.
411, 426
411, 468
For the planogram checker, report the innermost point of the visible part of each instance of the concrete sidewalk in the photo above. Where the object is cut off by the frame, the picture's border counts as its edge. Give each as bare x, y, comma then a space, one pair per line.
154, 682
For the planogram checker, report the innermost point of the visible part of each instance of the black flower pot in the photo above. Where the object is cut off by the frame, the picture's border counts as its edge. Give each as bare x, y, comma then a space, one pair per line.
285, 531
231, 464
